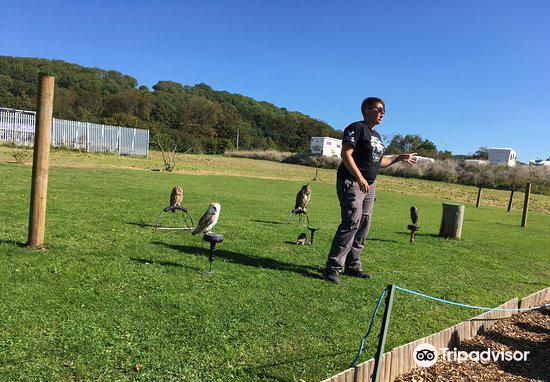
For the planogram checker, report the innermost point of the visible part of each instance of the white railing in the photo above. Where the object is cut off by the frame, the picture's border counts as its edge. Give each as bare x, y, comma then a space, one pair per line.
17, 126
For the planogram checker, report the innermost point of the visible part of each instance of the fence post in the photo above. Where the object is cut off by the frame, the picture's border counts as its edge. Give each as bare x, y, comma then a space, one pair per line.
88, 137
526, 204
119, 138
511, 199
147, 145
40, 165
383, 332
478, 196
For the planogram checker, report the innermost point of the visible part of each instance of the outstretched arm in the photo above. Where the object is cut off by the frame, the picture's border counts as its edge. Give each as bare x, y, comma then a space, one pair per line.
388, 160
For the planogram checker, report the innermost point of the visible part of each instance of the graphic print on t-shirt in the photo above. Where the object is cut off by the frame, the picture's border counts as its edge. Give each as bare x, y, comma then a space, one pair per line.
350, 136
377, 149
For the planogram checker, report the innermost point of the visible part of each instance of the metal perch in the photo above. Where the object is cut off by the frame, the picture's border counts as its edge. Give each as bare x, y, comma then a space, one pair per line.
187, 219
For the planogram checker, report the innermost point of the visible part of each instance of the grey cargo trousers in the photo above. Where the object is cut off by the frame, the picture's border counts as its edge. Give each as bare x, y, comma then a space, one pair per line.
356, 210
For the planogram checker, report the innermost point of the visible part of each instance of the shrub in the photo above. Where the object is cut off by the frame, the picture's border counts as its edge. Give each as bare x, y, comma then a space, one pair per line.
21, 156
448, 170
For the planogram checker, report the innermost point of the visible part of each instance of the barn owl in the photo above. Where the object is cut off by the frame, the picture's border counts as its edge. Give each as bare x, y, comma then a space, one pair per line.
176, 197
209, 219
302, 200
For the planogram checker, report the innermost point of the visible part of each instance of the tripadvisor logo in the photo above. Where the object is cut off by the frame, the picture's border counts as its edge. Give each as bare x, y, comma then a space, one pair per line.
425, 355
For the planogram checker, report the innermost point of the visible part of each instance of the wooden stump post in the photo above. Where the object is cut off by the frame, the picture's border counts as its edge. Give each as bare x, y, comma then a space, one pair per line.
478, 196
511, 199
40, 163
526, 204
451, 220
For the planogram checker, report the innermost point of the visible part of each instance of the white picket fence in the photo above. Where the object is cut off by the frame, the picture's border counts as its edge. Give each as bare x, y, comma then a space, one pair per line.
17, 126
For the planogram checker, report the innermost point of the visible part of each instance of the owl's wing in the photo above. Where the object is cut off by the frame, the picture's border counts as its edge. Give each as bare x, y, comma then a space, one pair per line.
203, 223
299, 200
173, 197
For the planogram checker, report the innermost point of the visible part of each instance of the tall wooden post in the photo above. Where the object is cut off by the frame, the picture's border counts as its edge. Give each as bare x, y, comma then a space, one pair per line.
40, 163
526, 204
511, 199
478, 196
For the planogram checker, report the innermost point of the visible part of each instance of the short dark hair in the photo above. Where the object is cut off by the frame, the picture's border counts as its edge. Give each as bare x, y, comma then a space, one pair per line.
370, 102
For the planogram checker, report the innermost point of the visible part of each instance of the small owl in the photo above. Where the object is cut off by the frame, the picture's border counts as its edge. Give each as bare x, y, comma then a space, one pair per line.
176, 197
209, 219
414, 215
302, 200
302, 238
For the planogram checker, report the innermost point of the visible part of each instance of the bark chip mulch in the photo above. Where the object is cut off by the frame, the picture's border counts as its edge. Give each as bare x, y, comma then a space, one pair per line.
528, 331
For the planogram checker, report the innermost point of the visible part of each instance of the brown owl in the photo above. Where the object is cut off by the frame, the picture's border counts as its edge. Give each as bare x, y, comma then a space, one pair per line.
414, 215
176, 198
302, 200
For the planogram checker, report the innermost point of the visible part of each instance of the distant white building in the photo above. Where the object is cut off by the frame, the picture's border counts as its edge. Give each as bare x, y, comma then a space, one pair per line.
502, 156
420, 159
327, 146
539, 162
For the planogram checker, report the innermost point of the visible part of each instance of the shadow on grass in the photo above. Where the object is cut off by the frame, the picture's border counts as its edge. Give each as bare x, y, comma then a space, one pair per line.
262, 372
387, 240
419, 234
272, 222
142, 224
247, 260
14, 242
162, 263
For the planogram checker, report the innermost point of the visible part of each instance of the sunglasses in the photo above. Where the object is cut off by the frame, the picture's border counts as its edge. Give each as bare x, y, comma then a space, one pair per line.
379, 109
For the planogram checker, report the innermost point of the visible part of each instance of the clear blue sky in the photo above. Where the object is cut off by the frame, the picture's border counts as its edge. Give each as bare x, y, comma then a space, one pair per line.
463, 74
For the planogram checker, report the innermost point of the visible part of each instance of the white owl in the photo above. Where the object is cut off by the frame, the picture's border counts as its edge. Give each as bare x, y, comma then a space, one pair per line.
209, 219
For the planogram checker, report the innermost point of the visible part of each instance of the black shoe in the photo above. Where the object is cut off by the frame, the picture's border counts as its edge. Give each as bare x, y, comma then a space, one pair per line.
360, 274
332, 277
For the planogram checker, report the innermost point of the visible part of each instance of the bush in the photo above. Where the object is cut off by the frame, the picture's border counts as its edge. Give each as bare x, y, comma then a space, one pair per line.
22, 155
448, 170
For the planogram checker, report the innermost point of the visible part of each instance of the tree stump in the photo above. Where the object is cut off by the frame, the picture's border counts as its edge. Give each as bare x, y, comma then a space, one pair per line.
451, 220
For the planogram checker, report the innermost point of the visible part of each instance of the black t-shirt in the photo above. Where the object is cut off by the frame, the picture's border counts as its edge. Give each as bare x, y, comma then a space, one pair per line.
368, 150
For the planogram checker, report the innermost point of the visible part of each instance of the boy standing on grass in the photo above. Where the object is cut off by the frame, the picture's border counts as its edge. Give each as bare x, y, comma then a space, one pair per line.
362, 157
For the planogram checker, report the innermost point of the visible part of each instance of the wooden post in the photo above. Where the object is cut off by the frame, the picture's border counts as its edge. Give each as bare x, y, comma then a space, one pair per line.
383, 332
511, 199
526, 204
40, 163
451, 220
478, 196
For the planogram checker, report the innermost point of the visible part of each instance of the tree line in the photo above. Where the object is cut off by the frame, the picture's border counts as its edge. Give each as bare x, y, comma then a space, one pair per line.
191, 117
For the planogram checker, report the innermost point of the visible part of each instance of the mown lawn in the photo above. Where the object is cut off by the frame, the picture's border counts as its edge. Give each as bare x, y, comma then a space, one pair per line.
110, 293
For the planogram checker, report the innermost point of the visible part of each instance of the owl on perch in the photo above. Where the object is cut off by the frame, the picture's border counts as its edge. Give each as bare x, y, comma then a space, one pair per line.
414, 215
176, 198
209, 219
302, 200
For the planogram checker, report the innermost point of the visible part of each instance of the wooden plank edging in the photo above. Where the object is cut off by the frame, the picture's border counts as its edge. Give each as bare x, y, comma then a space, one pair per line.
399, 360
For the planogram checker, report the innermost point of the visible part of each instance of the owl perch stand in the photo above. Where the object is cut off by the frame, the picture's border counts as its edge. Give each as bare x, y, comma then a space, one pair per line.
213, 239
187, 220
413, 228
302, 218
312, 230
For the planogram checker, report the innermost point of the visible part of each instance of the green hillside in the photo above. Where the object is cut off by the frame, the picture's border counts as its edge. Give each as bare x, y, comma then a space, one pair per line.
193, 117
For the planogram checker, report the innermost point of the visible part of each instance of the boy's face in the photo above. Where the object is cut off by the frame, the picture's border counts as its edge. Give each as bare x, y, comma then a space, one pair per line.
374, 114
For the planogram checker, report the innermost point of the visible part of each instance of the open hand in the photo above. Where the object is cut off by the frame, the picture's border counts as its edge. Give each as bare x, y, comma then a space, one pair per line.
407, 158
364, 185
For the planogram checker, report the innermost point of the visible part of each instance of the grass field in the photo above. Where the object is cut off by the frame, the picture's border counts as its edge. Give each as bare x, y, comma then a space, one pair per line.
110, 293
